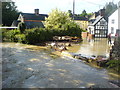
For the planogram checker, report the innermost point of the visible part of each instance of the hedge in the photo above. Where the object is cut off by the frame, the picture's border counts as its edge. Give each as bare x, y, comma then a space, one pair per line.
38, 35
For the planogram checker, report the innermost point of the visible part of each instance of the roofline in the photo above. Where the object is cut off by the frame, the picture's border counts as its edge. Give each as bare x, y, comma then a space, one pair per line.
81, 20
34, 20
98, 21
33, 13
113, 12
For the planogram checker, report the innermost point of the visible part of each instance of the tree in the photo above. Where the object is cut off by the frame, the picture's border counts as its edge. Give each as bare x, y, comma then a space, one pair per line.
57, 20
70, 13
110, 8
83, 13
9, 13
62, 23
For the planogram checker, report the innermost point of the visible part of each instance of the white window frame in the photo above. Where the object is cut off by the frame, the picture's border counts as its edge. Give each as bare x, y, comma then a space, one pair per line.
112, 30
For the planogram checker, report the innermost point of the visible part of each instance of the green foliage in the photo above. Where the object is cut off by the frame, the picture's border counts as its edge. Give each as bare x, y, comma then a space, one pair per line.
38, 35
22, 27
84, 30
73, 30
57, 24
2, 33
110, 8
20, 38
9, 13
114, 64
70, 13
83, 14
89, 14
61, 24
10, 35
57, 20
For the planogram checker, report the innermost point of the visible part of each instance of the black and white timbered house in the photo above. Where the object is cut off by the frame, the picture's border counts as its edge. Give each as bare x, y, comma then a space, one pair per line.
98, 27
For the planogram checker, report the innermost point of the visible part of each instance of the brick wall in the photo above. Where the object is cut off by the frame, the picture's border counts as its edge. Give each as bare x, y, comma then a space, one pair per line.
84, 34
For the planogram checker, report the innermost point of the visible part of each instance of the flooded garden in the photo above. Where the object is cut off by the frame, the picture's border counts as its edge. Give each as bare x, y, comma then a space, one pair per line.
29, 66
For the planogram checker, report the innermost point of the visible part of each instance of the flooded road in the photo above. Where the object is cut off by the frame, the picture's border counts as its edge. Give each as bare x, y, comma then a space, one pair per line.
97, 46
27, 66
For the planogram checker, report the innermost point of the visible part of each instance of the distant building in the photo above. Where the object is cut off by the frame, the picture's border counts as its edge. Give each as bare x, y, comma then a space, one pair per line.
101, 12
94, 15
114, 22
98, 25
31, 20
82, 22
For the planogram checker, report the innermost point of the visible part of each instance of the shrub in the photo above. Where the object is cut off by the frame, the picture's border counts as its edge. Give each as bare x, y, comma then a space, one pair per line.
37, 35
10, 35
114, 64
20, 38
60, 22
2, 33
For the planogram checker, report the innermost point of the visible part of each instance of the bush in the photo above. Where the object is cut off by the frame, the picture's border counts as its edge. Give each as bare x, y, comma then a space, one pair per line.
114, 64
2, 33
10, 35
37, 35
20, 38
60, 22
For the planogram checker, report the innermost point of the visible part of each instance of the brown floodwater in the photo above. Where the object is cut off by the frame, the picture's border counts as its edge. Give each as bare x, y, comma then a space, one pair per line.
98, 46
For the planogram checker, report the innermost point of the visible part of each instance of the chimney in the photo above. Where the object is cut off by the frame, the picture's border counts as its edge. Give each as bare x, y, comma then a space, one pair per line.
102, 12
37, 12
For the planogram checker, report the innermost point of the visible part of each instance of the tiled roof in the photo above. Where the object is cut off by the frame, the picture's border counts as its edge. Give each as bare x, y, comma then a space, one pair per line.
97, 19
29, 16
34, 24
81, 18
94, 21
15, 23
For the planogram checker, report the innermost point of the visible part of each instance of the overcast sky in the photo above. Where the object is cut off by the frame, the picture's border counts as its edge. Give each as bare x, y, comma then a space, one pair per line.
45, 6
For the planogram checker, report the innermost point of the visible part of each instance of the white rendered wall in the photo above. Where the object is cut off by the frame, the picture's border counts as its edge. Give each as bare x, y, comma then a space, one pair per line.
119, 18
110, 24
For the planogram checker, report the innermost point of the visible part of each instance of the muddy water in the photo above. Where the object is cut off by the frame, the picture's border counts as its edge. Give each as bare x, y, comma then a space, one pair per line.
25, 66
98, 46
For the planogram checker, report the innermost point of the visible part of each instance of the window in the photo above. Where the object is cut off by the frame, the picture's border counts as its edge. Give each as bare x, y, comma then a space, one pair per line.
97, 31
102, 22
113, 21
112, 30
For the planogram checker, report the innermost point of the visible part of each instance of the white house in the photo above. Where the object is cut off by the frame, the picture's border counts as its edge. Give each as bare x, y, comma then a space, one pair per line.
114, 22
98, 27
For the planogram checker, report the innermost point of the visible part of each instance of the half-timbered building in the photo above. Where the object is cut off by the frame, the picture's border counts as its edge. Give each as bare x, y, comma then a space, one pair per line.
98, 27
